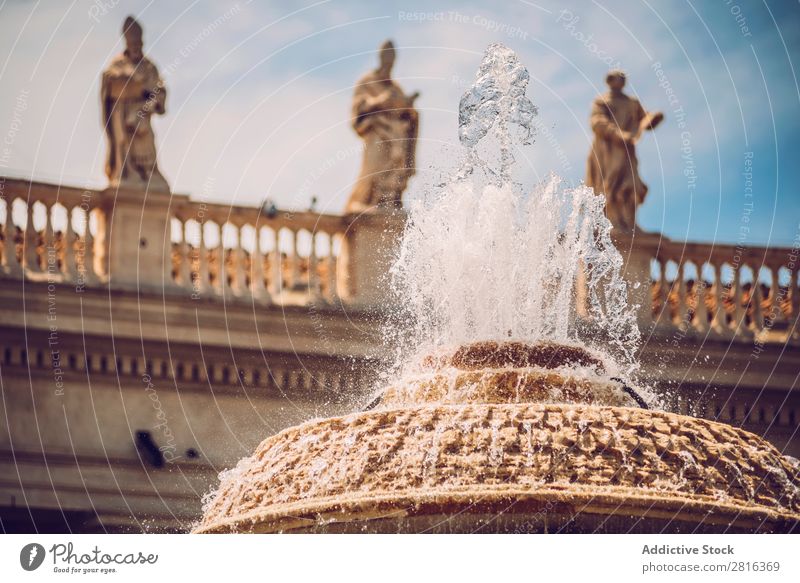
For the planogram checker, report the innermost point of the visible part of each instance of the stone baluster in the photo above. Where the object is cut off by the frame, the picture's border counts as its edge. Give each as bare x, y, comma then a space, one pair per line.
49, 254
203, 283
776, 298
739, 311
11, 264
719, 321
223, 287
277, 265
70, 267
701, 310
294, 263
257, 287
683, 300
667, 317
30, 253
239, 259
332, 295
756, 298
185, 266
89, 267
313, 271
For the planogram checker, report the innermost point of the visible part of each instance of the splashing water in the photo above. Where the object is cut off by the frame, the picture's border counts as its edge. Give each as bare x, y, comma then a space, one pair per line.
496, 106
481, 259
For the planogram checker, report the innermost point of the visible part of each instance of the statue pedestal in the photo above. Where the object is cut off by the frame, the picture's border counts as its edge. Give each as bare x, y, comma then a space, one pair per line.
136, 238
638, 250
369, 248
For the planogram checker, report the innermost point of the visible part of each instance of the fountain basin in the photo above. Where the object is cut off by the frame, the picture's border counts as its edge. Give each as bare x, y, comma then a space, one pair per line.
521, 467
505, 385
509, 372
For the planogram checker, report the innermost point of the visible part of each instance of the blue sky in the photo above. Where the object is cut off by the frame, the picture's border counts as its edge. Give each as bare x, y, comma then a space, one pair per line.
259, 95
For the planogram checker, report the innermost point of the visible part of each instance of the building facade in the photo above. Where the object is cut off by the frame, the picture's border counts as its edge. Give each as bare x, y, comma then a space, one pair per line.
149, 341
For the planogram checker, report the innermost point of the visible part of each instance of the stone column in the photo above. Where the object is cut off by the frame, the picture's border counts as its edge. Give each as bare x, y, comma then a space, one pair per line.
369, 247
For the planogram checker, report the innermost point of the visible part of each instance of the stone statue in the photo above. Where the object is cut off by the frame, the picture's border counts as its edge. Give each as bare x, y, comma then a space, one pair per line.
618, 121
131, 92
386, 120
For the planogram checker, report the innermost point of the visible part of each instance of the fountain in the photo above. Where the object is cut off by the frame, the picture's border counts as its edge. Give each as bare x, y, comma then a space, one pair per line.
513, 404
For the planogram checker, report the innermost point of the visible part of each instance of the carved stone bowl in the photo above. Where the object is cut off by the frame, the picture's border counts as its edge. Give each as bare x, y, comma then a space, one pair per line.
508, 459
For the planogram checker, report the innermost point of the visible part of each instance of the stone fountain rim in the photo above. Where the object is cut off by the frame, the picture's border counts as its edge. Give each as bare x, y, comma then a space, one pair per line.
594, 500
292, 515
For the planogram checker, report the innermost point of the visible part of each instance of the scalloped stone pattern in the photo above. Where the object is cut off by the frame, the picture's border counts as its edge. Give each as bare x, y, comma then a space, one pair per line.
451, 460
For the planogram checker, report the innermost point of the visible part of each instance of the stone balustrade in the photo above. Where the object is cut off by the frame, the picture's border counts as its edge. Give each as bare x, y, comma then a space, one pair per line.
64, 235
212, 250
731, 291
285, 257
49, 232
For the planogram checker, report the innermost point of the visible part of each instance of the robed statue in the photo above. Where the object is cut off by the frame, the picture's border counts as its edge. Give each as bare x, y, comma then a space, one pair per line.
131, 92
618, 121
386, 120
